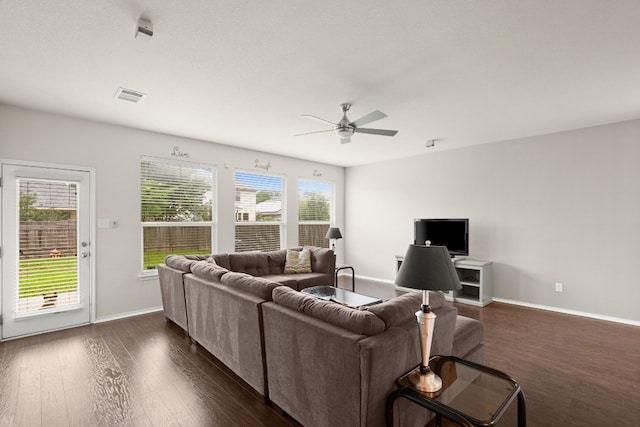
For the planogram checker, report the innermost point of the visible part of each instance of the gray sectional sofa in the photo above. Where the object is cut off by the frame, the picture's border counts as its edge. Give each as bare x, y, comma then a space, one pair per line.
321, 362
268, 265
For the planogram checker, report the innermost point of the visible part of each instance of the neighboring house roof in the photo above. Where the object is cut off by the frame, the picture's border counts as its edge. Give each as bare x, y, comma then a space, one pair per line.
243, 187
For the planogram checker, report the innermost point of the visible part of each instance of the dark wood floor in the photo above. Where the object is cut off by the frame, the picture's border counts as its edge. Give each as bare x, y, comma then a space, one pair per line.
140, 371
144, 371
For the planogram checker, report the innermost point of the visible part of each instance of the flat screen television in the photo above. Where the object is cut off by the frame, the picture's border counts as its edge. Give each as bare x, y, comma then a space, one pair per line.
452, 233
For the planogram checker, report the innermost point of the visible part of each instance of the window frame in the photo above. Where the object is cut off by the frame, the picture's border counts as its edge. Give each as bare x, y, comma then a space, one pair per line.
282, 223
332, 206
212, 224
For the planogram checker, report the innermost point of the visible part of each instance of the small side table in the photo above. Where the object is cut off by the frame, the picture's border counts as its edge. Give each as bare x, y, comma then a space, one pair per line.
353, 275
471, 395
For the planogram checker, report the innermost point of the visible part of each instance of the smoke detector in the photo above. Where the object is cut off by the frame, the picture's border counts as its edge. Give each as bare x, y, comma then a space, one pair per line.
129, 95
144, 28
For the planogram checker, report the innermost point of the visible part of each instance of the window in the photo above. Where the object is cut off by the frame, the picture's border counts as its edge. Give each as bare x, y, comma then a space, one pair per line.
259, 211
315, 204
176, 210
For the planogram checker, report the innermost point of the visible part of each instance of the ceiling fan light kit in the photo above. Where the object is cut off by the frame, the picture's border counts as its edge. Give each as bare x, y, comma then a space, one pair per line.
345, 128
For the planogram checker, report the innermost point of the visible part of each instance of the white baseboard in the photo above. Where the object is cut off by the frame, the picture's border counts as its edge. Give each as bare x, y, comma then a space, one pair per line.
530, 305
129, 314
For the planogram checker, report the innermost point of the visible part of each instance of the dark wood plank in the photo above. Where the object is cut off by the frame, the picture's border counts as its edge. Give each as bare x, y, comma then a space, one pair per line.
29, 405
54, 411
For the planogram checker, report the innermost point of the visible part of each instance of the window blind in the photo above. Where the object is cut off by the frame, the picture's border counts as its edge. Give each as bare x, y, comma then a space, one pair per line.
259, 211
177, 214
315, 202
48, 227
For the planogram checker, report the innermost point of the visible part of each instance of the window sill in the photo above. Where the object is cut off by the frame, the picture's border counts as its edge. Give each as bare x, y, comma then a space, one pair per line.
148, 275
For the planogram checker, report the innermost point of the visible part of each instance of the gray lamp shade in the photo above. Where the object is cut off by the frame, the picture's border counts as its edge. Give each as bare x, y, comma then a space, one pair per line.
333, 233
428, 267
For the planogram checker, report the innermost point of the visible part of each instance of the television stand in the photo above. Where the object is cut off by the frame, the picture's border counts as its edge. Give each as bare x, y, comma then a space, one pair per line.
475, 278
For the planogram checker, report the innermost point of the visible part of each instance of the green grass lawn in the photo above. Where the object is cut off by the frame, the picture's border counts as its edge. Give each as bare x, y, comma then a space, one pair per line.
152, 259
47, 275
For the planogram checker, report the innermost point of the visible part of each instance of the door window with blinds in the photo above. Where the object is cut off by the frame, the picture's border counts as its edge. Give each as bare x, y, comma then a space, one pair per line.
259, 211
315, 204
176, 210
48, 233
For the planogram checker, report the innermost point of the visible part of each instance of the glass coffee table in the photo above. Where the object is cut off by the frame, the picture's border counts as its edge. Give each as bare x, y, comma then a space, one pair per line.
471, 394
341, 296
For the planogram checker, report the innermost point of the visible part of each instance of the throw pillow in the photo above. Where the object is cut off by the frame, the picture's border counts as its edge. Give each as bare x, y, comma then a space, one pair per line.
298, 262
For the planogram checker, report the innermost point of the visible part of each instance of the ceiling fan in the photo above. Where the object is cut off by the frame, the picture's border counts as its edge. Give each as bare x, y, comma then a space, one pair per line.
345, 128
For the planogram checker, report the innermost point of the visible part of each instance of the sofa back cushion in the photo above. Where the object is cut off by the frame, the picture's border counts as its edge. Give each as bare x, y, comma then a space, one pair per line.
253, 263
222, 260
179, 262
398, 310
358, 321
258, 286
208, 270
276, 260
322, 260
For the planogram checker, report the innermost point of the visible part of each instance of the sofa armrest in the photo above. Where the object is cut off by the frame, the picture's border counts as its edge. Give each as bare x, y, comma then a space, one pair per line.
172, 292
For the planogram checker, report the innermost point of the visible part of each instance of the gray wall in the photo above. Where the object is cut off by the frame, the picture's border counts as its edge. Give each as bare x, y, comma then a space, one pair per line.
563, 208
115, 154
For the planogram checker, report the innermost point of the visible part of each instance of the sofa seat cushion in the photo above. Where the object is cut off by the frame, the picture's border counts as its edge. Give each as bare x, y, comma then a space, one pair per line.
359, 321
258, 286
306, 280
208, 270
253, 263
302, 280
468, 335
283, 279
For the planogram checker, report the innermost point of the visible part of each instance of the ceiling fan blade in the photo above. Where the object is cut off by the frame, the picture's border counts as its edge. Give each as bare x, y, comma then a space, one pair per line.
317, 131
371, 117
309, 116
384, 132
345, 140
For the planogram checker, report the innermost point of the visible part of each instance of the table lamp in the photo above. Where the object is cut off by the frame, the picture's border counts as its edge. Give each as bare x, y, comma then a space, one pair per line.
427, 268
333, 234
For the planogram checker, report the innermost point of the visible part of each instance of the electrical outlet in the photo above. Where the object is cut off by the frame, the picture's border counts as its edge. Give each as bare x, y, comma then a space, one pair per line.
558, 287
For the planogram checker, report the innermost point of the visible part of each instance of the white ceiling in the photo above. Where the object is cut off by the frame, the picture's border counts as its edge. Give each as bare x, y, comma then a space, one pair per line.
241, 72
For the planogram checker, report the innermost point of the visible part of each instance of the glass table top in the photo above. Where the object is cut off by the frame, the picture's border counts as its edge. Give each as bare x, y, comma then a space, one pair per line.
342, 296
474, 391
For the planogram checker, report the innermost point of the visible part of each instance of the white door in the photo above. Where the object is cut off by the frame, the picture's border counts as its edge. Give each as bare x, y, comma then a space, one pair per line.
46, 249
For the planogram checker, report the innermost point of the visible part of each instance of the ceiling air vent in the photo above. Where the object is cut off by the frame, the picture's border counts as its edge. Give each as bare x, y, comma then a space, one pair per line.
129, 95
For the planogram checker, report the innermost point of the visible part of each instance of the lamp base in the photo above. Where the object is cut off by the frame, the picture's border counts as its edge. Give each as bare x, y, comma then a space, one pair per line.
425, 382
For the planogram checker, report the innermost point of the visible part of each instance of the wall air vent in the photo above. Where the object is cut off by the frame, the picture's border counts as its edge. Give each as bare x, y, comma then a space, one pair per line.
129, 95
